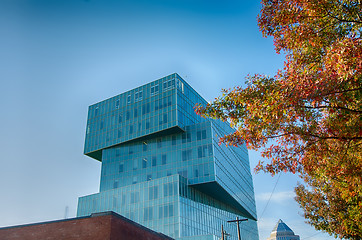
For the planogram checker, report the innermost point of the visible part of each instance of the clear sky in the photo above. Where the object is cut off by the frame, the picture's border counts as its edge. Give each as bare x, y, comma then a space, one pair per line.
57, 57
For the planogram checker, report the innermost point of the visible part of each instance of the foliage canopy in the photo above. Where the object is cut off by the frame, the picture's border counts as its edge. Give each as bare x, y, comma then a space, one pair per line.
311, 109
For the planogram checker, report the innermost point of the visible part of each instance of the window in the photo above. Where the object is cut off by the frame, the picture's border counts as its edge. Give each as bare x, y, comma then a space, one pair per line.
159, 143
164, 100
117, 104
121, 168
135, 197
180, 85
131, 129
173, 140
138, 96
162, 103
149, 177
210, 149
145, 108
183, 173
96, 111
160, 212
156, 105
135, 164
115, 184
119, 118
119, 134
154, 90
186, 137
206, 170
153, 193
127, 115
135, 112
145, 146
168, 84
201, 134
201, 152
101, 126
130, 150
169, 189
154, 161
129, 99
170, 210
196, 171
148, 214
164, 159
134, 179
165, 211
144, 162
186, 155
164, 118
147, 125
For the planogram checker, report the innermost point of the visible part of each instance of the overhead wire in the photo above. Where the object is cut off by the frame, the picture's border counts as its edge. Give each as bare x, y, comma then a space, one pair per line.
271, 194
312, 235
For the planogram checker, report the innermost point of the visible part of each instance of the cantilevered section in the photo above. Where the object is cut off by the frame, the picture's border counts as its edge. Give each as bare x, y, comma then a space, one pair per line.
145, 111
216, 191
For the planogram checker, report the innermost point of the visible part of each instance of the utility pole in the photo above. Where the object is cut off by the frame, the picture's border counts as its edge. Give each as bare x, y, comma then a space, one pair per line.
237, 223
223, 233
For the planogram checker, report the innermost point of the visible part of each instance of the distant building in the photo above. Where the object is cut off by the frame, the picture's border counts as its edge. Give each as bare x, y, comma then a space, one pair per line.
282, 232
162, 165
99, 226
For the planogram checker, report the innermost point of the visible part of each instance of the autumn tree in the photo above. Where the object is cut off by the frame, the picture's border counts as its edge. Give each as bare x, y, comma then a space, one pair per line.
307, 118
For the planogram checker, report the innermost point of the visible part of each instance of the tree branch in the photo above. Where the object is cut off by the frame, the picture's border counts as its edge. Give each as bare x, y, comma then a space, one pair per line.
331, 107
344, 91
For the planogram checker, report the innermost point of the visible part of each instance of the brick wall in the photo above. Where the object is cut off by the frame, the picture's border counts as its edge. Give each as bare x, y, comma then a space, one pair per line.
101, 226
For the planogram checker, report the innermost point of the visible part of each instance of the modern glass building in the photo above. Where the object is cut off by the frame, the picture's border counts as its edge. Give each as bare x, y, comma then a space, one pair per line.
162, 165
281, 231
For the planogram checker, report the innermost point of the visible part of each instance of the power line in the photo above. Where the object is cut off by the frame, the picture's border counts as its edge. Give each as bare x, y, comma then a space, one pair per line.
312, 235
276, 183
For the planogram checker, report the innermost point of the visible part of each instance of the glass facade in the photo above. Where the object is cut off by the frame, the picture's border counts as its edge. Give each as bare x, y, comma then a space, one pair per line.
162, 165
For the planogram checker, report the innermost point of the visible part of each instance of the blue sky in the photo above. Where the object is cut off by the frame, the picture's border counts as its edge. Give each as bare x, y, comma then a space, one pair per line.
57, 57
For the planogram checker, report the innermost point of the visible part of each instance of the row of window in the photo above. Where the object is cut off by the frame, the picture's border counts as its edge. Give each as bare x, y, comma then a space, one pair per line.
186, 137
138, 96
163, 212
137, 127
130, 114
202, 151
152, 193
145, 162
144, 108
195, 173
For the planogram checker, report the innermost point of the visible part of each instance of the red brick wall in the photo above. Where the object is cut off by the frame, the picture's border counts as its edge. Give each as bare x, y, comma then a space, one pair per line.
107, 226
122, 230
